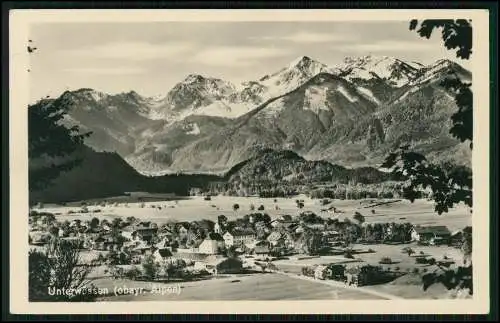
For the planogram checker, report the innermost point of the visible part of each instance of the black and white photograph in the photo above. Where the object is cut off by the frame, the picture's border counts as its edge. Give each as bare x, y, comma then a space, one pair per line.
174, 160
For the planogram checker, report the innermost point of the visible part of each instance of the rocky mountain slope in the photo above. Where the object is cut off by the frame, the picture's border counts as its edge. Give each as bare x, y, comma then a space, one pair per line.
352, 115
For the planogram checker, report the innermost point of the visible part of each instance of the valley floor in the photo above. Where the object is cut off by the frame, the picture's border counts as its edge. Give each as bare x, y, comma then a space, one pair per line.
421, 212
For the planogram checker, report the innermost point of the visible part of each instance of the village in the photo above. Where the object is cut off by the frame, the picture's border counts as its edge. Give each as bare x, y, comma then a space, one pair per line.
345, 249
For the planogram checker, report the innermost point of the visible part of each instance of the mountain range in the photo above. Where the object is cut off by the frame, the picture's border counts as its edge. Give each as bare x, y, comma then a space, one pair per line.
351, 115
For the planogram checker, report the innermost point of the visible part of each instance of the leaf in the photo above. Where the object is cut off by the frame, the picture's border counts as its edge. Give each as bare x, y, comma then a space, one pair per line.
413, 24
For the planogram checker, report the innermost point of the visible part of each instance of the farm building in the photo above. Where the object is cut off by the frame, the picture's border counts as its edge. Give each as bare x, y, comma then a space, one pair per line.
224, 266
331, 236
39, 237
433, 235
262, 248
336, 271
162, 255
363, 275
145, 231
281, 238
321, 272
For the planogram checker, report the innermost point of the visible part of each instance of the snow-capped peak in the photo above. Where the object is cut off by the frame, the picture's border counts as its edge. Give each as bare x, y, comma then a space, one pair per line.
87, 94
194, 78
307, 65
394, 71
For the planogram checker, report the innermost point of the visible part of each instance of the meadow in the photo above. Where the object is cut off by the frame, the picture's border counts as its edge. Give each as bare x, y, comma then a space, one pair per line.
421, 212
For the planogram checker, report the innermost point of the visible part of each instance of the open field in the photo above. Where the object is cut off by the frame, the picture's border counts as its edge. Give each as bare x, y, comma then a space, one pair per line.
196, 208
247, 287
401, 261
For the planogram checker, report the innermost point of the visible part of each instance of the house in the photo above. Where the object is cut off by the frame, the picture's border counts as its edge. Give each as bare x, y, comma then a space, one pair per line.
39, 237
163, 255
103, 243
239, 237
363, 275
164, 243
315, 226
141, 248
457, 238
127, 232
433, 235
321, 272
224, 266
281, 239
331, 236
213, 244
262, 248
144, 231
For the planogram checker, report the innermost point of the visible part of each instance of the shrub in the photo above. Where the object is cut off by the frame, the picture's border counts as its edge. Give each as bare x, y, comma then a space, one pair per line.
415, 271
371, 250
431, 261
385, 260
132, 273
421, 260
150, 268
397, 268
261, 208
424, 270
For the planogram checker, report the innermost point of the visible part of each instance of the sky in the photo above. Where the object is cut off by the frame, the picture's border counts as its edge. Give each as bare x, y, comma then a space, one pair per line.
150, 58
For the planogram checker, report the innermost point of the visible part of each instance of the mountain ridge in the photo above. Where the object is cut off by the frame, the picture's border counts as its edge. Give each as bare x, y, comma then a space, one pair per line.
344, 118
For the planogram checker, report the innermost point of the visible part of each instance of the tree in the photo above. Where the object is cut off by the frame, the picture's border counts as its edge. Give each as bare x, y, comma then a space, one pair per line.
94, 223
58, 268
359, 217
231, 252
150, 268
261, 229
51, 145
222, 220
261, 208
449, 184
236, 207
116, 222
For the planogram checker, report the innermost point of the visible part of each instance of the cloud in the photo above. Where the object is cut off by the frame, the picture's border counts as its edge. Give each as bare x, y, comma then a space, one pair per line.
137, 51
305, 37
236, 56
391, 45
106, 70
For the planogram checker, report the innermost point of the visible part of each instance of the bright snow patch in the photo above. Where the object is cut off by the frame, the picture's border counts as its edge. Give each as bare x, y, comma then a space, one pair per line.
368, 94
316, 99
345, 93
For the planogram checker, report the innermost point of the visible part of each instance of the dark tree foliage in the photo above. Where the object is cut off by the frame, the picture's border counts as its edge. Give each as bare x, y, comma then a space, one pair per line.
449, 184
58, 268
51, 145
49, 140
462, 119
456, 34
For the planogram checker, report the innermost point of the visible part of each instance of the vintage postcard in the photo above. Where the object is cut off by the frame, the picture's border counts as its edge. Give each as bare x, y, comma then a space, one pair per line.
249, 161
